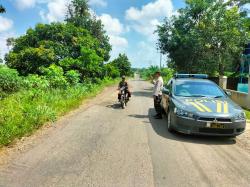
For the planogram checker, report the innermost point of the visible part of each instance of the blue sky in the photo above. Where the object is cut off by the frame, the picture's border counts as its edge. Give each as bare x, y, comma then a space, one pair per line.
130, 24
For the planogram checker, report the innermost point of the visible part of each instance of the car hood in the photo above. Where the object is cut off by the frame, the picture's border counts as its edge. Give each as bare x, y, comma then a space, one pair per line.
208, 106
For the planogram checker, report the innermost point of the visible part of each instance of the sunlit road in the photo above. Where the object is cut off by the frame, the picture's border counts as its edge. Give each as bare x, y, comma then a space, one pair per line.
103, 145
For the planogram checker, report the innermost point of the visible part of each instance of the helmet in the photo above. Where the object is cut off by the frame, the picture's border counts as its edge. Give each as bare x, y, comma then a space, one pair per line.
123, 77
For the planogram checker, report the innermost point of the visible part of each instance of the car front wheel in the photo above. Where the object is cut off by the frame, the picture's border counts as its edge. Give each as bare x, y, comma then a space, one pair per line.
169, 122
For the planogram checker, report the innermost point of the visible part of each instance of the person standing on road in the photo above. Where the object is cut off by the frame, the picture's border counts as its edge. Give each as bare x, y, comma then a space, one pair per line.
158, 86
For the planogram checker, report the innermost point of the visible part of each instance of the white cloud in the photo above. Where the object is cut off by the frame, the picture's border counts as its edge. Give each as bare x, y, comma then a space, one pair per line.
5, 24
146, 19
24, 4
100, 3
146, 55
118, 41
247, 8
56, 11
119, 45
155, 9
3, 44
112, 25
115, 29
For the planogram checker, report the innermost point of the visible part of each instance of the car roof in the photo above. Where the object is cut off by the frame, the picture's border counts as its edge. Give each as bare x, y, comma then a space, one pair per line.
193, 80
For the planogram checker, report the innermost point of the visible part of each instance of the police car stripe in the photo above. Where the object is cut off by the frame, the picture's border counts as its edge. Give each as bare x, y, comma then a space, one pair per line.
225, 108
197, 107
219, 107
204, 107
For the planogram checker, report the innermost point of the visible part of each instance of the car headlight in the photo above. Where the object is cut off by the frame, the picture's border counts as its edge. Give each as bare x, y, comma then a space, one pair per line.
240, 117
183, 113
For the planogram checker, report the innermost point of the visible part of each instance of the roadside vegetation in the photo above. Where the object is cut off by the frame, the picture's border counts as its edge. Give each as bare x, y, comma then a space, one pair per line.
207, 36
23, 112
148, 73
247, 114
52, 68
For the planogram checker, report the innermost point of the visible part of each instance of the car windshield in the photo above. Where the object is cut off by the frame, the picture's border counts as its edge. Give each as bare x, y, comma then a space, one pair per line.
197, 89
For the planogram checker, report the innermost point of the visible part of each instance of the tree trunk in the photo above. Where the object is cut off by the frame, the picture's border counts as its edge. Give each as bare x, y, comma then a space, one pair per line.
221, 66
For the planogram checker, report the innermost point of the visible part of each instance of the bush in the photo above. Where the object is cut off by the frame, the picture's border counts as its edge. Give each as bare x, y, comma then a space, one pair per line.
23, 112
148, 73
55, 75
112, 71
9, 80
167, 74
36, 82
73, 77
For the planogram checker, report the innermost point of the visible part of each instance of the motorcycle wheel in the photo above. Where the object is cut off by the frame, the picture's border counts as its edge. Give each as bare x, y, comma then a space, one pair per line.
123, 104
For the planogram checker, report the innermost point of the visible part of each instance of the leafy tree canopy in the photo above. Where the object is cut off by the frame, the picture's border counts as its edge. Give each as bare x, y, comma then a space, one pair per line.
79, 15
66, 45
206, 36
123, 64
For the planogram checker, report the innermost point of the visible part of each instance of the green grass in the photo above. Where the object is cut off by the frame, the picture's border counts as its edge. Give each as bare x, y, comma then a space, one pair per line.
247, 114
26, 111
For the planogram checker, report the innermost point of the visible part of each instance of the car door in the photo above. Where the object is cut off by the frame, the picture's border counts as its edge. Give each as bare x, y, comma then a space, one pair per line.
166, 94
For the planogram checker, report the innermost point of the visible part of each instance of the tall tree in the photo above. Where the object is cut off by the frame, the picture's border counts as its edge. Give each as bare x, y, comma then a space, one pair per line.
65, 45
123, 64
205, 37
79, 14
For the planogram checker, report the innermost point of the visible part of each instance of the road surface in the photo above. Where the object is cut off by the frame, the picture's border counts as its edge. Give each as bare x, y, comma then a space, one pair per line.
103, 145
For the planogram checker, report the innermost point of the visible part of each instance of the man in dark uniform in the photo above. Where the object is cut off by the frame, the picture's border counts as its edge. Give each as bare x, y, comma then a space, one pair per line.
123, 83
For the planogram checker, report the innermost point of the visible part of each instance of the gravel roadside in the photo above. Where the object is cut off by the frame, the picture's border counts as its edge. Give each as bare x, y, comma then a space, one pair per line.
244, 139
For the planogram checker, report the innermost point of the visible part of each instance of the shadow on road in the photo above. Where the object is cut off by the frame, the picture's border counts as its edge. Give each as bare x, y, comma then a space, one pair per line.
139, 116
142, 94
136, 80
160, 127
115, 106
148, 89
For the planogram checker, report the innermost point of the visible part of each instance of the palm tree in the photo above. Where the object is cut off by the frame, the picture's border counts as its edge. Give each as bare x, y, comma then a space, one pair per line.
2, 9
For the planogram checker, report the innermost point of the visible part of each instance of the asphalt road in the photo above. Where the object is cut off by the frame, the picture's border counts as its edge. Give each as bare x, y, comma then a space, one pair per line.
103, 145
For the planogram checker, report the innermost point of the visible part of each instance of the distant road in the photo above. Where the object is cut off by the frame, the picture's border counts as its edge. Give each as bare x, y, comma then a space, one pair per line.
103, 145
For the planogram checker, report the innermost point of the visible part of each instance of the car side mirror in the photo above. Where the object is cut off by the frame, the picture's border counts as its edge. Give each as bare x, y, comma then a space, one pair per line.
166, 91
228, 93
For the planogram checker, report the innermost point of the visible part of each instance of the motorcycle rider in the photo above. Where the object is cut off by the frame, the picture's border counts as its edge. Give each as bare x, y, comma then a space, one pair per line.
123, 83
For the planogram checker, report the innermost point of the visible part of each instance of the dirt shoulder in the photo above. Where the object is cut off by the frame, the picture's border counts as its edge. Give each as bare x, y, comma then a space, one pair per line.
244, 139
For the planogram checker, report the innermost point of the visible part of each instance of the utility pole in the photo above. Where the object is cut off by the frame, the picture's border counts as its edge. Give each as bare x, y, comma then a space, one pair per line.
160, 59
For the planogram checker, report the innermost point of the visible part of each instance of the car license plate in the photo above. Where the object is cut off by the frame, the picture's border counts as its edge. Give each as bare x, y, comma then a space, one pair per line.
217, 126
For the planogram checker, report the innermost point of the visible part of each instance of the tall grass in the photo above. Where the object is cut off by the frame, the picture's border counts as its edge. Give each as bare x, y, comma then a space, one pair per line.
247, 114
25, 111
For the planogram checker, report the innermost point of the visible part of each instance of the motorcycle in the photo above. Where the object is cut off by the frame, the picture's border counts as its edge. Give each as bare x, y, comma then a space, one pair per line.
124, 97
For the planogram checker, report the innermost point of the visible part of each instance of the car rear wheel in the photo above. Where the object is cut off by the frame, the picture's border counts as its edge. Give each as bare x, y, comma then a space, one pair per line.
169, 122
